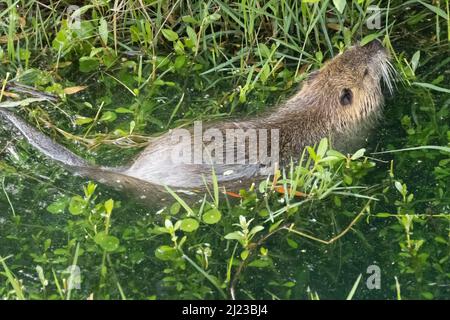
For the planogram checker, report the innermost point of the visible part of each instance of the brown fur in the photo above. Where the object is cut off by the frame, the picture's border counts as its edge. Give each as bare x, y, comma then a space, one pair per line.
338, 101
313, 113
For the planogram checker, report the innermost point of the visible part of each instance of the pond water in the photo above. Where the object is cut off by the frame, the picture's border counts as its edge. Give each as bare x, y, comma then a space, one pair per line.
37, 237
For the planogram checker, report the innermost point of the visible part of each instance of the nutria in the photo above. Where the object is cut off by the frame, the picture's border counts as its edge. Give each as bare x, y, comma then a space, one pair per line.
337, 101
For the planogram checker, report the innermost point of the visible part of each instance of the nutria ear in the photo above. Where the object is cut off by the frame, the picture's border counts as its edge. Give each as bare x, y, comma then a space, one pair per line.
312, 76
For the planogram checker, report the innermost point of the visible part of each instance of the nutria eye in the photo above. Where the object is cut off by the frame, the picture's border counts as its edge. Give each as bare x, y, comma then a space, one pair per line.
346, 97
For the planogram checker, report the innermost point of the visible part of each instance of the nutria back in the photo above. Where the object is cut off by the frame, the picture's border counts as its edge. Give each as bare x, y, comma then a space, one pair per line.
339, 101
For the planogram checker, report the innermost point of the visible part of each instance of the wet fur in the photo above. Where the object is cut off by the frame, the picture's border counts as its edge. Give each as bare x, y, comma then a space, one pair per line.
313, 113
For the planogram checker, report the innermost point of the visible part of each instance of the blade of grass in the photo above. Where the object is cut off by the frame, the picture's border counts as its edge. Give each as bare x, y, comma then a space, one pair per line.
355, 286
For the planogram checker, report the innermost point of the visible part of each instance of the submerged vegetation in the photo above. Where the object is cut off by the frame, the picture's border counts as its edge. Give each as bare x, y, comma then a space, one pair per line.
115, 73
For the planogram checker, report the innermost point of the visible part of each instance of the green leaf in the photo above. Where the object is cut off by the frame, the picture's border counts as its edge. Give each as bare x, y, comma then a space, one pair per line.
262, 186
319, 56
180, 61
189, 19
263, 213
368, 38
83, 120
88, 64
265, 72
123, 110
175, 208
41, 275
440, 239
312, 153
212, 216
275, 225
77, 205
256, 229
427, 295
244, 254
108, 116
260, 263
347, 179
383, 215
289, 284
103, 30
292, 243
431, 86
334, 153
166, 253
235, 236
109, 205
178, 47
415, 60
107, 242
329, 159
340, 5
264, 50
90, 189
58, 206
169, 34
61, 252
168, 224
358, 154
192, 34
322, 148
436, 10
211, 18
399, 187
189, 225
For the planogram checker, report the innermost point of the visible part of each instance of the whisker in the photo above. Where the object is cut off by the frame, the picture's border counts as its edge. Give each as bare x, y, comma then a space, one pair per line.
387, 74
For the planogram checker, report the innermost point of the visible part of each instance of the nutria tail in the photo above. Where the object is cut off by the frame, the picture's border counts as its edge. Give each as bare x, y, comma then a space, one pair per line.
110, 176
43, 143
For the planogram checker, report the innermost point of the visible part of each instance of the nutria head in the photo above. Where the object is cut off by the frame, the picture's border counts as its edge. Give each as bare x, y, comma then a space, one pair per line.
346, 91
339, 101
